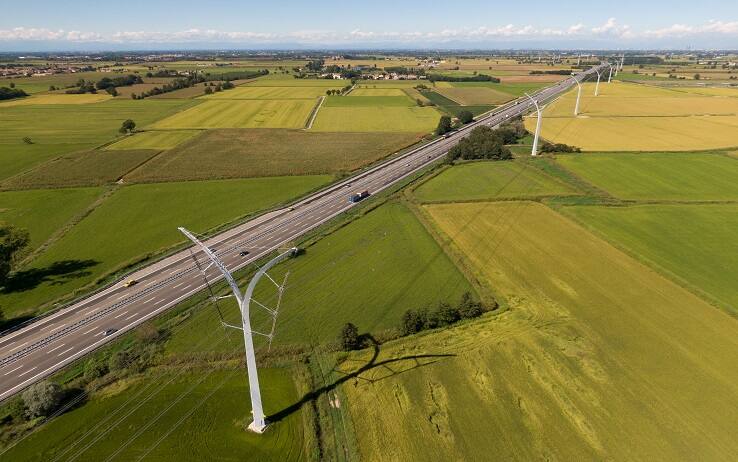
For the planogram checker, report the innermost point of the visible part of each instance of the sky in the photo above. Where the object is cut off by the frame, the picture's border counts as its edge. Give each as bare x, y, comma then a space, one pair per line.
241, 24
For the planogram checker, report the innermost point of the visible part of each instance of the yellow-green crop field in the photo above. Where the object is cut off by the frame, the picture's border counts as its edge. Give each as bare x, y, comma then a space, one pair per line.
391, 84
632, 117
597, 357
471, 96
376, 119
641, 133
252, 92
56, 98
155, 139
377, 92
241, 114
624, 99
276, 81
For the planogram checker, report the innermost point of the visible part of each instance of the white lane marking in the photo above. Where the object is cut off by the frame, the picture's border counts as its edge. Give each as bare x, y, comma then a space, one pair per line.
122, 296
152, 298
55, 348
131, 316
175, 271
66, 351
24, 373
121, 314
21, 345
13, 370
178, 285
85, 333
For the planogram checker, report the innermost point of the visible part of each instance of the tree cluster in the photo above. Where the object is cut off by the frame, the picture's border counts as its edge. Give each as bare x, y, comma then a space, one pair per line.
13, 242
465, 117
11, 93
558, 147
444, 125
453, 78
338, 92
126, 81
41, 399
482, 143
414, 321
553, 72
82, 86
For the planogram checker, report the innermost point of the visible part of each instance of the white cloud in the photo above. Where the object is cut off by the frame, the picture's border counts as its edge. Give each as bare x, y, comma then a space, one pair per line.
609, 30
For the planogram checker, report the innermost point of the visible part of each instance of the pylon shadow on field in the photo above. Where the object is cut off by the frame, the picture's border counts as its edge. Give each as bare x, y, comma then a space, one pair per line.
371, 365
56, 273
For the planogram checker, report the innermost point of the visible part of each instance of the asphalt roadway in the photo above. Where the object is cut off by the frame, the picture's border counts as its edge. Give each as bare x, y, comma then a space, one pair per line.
44, 346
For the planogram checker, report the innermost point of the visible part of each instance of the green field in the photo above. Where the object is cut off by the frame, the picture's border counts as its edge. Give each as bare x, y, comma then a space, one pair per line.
128, 226
80, 123
476, 181
365, 101
659, 176
202, 423
597, 357
368, 273
234, 153
15, 158
512, 89
376, 119
696, 243
159, 140
86, 168
42, 212
52, 98
61, 129
242, 114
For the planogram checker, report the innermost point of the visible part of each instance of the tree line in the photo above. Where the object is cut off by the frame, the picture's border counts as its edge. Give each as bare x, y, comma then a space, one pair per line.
471, 78
11, 93
414, 321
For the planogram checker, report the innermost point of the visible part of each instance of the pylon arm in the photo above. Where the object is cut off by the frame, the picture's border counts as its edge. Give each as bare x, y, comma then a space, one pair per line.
217, 262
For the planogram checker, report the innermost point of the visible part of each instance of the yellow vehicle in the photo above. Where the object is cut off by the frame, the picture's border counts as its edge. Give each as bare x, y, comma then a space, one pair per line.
130, 282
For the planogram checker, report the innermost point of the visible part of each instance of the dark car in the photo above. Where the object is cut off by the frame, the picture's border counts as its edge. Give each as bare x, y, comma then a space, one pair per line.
110, 332
243, 253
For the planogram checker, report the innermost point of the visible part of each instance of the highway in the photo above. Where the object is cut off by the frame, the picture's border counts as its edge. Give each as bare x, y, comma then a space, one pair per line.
44, 346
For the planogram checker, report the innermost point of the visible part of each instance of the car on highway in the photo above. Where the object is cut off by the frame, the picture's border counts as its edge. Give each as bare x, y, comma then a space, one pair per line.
243, 253
130, 283
109, 332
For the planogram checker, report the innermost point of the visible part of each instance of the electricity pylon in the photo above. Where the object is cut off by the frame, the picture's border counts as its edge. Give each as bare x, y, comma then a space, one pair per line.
597, 86
579, 95
244, 302
534, 151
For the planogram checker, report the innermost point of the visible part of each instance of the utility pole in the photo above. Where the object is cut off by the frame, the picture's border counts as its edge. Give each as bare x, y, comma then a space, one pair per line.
244, 301
609, 77
579, 95
534, 151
